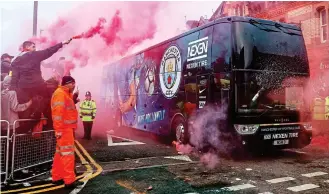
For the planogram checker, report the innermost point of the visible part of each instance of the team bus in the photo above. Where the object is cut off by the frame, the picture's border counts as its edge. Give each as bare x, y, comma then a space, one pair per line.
255, 68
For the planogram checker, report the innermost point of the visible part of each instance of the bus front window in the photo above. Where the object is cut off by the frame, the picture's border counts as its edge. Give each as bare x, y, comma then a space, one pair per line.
272, 66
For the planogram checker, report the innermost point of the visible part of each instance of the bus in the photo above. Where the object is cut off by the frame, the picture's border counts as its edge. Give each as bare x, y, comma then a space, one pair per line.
256, 68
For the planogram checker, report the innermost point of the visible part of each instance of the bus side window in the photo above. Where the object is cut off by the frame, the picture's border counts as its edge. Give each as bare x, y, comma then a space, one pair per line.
221, 47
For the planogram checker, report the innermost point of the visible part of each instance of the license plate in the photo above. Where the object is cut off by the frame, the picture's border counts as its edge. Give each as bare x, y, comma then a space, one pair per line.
281, 142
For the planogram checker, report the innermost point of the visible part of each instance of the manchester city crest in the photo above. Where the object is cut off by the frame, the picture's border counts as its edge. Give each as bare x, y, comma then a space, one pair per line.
170, 71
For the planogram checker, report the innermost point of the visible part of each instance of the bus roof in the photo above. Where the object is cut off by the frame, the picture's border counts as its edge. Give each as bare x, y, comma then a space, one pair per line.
219, 20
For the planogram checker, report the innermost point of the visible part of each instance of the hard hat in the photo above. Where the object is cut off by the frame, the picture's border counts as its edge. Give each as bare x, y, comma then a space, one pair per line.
88, 93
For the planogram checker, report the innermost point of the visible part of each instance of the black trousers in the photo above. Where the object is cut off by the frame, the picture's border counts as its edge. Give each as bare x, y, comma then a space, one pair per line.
87, 125
40, 104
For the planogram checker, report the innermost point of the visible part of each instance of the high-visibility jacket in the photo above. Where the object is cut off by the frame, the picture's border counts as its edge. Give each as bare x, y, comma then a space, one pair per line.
64, 112
88, 110
65, 117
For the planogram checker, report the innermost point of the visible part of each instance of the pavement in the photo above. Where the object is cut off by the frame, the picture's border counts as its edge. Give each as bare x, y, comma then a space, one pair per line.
137, 162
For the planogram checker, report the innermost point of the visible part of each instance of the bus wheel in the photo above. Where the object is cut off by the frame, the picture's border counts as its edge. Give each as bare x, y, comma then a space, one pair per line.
179, 130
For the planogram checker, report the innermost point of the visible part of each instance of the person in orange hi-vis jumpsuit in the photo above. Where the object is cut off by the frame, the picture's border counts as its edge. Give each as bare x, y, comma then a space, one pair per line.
65, 116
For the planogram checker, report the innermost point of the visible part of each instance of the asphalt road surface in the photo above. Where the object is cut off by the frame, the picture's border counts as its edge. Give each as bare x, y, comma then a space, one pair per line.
286, 171
135, 162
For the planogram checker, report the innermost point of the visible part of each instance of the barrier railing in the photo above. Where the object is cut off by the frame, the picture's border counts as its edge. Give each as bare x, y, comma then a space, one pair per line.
4, 152
31, 150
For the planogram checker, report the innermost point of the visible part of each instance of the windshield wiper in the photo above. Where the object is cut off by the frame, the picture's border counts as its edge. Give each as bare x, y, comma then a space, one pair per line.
253, 22
279, 26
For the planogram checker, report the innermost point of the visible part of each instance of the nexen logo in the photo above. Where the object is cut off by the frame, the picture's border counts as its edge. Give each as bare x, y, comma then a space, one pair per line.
197, 49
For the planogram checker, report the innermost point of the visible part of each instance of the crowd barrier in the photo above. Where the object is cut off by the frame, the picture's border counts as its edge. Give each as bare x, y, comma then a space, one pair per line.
4, 152
26, 151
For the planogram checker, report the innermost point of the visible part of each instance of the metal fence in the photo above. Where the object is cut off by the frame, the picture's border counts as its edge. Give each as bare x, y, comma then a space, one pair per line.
31, 150
23, 150
4, 152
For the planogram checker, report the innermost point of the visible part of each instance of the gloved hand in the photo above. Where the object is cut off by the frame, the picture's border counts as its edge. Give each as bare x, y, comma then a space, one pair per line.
75, 98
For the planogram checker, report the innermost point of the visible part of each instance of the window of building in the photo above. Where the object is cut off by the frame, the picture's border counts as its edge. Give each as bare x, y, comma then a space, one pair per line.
237, 11
323, 25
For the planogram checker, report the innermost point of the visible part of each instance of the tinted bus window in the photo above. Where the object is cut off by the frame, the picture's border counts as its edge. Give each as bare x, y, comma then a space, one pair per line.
188, 54
221, 47
200, 50
270, 50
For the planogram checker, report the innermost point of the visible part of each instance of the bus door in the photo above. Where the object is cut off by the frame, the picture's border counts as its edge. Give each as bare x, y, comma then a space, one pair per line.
202, 90
220, 89
191, 101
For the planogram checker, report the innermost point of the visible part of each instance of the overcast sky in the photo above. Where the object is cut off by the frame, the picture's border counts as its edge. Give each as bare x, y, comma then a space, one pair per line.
16, 18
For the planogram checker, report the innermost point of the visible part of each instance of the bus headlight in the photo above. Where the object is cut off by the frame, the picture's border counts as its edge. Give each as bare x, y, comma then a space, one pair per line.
246, 129
307, 126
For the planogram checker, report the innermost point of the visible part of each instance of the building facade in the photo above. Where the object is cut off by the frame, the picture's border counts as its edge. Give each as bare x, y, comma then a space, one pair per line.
311, 16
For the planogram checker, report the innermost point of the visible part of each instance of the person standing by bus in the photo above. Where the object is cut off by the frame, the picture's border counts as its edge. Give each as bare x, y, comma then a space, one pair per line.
65, 118
87, 114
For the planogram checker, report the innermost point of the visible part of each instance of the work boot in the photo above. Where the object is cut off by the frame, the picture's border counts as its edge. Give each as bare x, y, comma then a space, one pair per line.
73, 185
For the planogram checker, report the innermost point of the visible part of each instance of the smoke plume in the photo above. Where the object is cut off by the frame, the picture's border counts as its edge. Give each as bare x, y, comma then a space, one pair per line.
209, 134
104, 32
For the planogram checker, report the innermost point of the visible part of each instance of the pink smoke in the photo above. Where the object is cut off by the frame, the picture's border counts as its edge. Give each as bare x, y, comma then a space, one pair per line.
110, 34
101, 37
210, 160
92, 31
127, 28
207, 136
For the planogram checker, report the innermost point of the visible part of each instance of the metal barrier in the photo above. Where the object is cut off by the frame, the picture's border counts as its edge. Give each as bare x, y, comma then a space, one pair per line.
4, 152
29, 151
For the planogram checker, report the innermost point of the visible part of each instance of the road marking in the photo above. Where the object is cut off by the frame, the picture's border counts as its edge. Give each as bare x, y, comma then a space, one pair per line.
300, 152
34, 187
314, 174
90, 176
191, 193
239, 187
280, 180
128, 186
86, 178
302, 187
130, 142
84, 162
24, 189
181, 157
296, 151
99, 168
153, 166
327, 181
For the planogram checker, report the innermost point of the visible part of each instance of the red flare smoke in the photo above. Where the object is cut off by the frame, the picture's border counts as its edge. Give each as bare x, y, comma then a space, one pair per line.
93, 30
81, 56
110, 34
77, 37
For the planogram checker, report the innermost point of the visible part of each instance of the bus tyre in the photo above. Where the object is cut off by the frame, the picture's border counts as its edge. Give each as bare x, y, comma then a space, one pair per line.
179, 130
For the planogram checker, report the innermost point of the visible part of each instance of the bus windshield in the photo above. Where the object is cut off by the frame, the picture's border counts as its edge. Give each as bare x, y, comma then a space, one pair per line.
271, 68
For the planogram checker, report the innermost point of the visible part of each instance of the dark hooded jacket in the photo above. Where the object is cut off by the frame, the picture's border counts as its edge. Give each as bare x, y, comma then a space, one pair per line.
26, 68
5, 69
